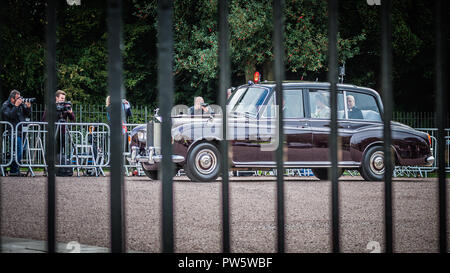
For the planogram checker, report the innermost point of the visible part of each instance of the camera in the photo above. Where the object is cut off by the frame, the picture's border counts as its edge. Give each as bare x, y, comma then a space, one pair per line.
63, 106
30, 100
205, 104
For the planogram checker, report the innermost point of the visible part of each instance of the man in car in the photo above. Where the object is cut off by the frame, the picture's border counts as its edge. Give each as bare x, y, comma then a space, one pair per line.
353, 111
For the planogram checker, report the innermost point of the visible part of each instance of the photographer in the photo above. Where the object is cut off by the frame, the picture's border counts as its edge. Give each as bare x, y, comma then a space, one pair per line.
16, 110
63, 109
200, 107
64, 113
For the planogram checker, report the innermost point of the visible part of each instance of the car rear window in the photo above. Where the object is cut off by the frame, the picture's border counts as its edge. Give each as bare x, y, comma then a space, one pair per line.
319, 102
362, 106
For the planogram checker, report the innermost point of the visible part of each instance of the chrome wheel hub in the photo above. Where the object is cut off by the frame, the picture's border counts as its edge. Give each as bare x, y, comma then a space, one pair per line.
377, 162
205, 161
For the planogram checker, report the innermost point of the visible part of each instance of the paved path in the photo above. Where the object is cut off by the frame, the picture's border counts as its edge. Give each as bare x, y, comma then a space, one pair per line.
83, 214
20, 245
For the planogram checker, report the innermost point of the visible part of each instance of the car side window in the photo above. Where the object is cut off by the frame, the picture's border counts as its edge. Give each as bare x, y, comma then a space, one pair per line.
292, 105
319, 103
362, 107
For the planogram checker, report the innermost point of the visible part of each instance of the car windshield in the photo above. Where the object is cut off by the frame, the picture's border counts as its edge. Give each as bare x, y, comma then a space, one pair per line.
251, 100
235, 97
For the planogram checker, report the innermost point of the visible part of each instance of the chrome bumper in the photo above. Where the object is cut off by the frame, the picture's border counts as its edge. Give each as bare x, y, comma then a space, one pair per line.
430, 160
151, 157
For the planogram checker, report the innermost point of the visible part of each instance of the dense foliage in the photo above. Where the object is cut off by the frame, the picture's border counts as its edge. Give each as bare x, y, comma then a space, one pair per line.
82, 53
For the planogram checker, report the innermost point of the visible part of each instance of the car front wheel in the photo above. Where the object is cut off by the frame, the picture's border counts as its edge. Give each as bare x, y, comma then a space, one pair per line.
154, 174
203, 163
322, 173
373, 165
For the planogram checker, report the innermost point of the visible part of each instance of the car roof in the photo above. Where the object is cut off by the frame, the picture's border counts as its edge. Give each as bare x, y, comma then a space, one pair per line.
307, 84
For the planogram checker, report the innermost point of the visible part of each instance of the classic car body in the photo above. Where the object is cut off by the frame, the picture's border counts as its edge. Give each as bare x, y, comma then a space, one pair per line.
252, 120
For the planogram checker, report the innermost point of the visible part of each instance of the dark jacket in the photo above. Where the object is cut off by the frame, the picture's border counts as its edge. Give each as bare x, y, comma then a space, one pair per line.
355, 113
14, 114
193, 111
65, 115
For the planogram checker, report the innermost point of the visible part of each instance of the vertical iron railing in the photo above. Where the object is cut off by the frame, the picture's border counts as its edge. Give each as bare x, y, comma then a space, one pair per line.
278, 46
224, 83
51, 115
386, 82
441, 116
333, 138
115, 83
165, 87
1, 244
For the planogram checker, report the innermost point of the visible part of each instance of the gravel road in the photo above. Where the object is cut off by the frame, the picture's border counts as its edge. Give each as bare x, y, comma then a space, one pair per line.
83, 213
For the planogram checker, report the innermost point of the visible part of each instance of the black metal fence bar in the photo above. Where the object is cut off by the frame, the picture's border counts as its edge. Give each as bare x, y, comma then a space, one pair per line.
50, 145
224, 83
386, 72
1, 244
441, 116
333, 140
165, 86
115, 83
278, 46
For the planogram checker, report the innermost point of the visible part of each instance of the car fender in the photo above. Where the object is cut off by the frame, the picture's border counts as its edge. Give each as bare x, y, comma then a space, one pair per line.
362, 141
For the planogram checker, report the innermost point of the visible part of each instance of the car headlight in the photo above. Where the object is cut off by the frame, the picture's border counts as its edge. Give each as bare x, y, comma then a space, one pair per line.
142, 136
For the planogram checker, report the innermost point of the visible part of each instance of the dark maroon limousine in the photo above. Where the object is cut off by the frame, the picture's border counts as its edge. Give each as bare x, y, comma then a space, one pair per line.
252, 135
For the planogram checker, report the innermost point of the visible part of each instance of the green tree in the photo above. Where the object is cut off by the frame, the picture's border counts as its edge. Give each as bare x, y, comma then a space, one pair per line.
22, 47
82, 51
196, 42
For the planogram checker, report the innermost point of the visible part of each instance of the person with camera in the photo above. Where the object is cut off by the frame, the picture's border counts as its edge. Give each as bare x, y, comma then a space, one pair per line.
200, 107
63, 109
64, 113
14, 110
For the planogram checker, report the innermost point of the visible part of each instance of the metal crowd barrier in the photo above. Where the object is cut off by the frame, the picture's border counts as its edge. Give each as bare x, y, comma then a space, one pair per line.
81, 146
7, 133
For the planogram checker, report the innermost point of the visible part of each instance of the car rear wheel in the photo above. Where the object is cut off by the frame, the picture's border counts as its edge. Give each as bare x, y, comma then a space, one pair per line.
153, 175
373, 167
203, 163
322, 173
